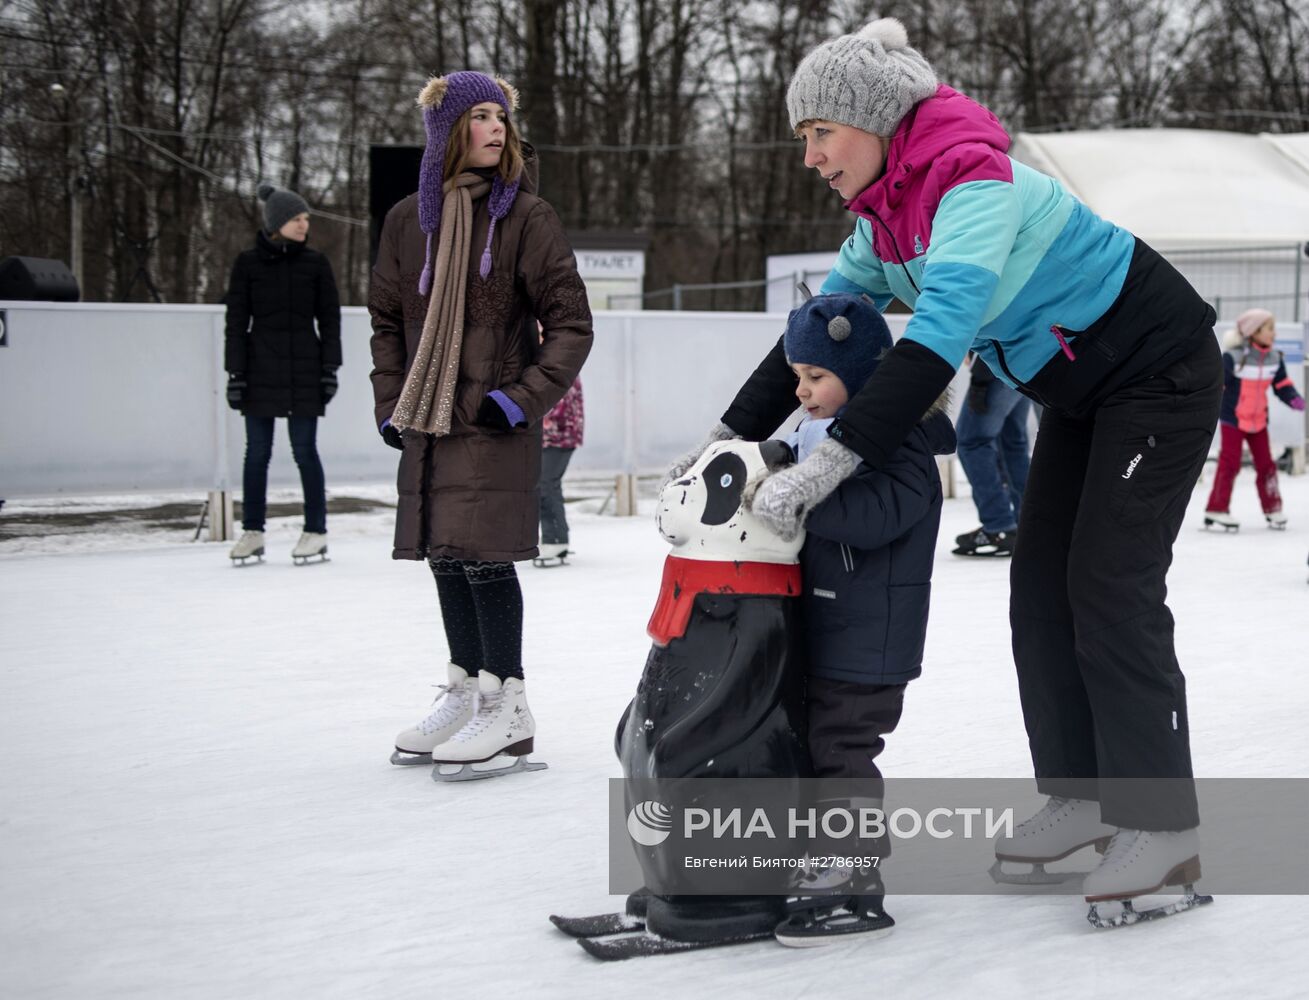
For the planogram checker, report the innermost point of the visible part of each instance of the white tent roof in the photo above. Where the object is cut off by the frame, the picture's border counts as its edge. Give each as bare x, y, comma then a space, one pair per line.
1183, 187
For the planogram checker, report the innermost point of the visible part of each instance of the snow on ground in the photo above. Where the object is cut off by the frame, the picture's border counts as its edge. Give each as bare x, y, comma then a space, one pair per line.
197, 800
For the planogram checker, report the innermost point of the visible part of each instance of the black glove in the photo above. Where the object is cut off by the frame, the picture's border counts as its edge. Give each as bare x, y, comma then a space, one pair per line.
329, 384
236, 387
977, 398
499, 412
391, 435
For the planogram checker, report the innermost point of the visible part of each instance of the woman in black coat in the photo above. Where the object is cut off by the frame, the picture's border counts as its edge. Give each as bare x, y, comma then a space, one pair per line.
279, 366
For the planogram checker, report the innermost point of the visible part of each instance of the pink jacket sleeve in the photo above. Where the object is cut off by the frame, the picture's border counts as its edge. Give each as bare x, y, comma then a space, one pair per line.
562, 427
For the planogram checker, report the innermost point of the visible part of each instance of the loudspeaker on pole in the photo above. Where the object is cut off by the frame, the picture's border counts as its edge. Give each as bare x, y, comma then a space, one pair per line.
37, 279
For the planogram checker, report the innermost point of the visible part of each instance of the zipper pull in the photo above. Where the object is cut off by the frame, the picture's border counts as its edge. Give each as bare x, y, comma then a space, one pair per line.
1063, 344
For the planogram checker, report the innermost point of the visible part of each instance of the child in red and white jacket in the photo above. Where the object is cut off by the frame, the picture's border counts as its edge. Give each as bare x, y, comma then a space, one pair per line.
1250, 367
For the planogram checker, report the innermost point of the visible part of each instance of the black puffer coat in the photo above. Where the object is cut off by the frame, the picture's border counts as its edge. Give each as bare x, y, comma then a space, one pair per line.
867, 564
277, 292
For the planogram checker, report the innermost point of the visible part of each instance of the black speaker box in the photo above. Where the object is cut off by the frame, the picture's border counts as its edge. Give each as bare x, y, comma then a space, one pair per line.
37, 279
392, 177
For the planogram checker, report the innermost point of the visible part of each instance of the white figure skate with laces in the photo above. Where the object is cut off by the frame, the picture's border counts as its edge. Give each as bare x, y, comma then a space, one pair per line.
249, 546
495, 741
1062, 827
451, 711
312, 545
1138, 865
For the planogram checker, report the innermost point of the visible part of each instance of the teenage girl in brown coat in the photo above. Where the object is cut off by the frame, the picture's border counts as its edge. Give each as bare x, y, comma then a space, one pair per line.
465, 269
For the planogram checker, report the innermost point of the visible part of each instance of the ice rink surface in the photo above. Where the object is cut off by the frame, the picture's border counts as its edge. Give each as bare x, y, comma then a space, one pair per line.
197, 799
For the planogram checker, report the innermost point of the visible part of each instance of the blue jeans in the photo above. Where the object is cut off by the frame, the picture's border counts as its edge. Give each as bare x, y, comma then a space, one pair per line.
994, 453
258, 453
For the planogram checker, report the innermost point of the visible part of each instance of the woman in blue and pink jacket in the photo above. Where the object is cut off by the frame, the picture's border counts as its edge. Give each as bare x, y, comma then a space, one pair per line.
1251, 366
1084, 318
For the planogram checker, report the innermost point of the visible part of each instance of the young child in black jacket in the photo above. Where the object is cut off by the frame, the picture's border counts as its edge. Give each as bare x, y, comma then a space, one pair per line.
867, 569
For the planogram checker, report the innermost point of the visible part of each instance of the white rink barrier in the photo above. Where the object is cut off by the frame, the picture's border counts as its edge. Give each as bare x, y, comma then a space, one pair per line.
107, 398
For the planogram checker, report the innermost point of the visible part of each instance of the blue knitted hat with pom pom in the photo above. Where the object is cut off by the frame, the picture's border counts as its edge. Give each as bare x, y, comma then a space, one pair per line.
845, 334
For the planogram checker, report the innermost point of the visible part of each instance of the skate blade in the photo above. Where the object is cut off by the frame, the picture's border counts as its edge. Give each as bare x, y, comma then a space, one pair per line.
445, 772
1036, 876
306, 560
406, 759
239, 561
1124, 913
833, 930
1216, 525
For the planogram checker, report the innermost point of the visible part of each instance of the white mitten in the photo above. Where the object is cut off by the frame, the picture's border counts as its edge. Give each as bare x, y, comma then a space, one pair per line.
784, 498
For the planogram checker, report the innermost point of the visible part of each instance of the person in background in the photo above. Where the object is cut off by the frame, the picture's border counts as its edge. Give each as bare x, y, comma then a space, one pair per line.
561, 435
1251, 366
282, 350
993, 451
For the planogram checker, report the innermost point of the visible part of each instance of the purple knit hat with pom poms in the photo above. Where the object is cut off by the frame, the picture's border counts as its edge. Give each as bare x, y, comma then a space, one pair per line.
443, 100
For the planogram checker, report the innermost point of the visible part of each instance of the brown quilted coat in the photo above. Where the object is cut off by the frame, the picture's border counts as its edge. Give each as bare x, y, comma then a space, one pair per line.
473, 494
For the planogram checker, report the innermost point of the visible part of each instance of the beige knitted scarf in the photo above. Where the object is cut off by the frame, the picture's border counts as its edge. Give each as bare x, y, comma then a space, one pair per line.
427, 399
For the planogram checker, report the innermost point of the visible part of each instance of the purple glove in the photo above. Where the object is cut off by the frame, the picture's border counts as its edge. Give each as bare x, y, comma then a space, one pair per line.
1298, 403
501, 412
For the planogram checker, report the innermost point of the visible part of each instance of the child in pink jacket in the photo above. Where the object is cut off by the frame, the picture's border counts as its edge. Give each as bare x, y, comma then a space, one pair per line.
1250, 367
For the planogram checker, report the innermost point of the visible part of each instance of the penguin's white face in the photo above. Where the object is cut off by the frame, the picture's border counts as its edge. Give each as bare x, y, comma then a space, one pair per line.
705, 514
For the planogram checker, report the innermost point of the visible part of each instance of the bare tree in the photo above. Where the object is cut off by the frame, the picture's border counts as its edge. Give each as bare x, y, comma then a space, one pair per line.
146, 126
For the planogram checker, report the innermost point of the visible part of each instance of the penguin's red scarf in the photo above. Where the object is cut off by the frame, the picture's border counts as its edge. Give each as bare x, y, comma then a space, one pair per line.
685, 578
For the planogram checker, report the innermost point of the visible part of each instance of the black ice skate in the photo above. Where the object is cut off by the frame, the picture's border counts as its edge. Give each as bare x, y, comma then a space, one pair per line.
820, 913
552, 554
1221, 520
826, 924
986, 543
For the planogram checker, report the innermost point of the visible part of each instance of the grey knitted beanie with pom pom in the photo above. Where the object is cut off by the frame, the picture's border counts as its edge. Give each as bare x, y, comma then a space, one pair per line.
869, 80
280, 206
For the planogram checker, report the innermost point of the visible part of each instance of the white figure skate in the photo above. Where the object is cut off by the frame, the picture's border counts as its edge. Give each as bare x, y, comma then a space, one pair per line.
312, 545
1221, 519
501, 728
451, 711
1276, 521
1062, 827
1138, 864
249, 546
552, 554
